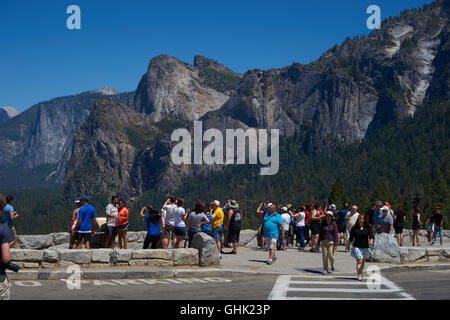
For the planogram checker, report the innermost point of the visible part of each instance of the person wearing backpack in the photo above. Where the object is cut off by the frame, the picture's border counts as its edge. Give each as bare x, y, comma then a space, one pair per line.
234, 216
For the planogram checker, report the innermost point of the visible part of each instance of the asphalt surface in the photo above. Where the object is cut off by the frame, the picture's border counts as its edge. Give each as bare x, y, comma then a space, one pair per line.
399, 286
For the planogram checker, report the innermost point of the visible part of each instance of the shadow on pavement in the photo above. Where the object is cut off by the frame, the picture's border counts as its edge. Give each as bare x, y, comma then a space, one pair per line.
263, 261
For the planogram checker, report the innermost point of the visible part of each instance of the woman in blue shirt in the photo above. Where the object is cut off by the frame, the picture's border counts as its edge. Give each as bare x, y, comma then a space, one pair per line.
153, 233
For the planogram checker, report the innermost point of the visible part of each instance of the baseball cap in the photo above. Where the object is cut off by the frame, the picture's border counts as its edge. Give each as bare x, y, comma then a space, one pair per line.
284, 209
269, 204
386, 203
385, 208
333, 207
329, 212
216, 202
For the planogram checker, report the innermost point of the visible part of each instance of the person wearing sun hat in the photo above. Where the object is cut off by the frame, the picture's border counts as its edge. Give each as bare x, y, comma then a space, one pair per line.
328, 241
234, 216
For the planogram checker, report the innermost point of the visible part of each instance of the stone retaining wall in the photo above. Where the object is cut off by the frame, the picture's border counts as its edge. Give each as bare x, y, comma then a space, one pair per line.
54, 258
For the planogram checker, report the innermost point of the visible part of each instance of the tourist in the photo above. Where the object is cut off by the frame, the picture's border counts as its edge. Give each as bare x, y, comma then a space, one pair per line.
167, 221
416, 227
153, 219
112, 216
430, 227
361, 237
217, 225
300, 225
316, 224
342, 223
6, 239
123, 224
85, 224
195, 221
73, 224
437, 225
388, 220
307, 224
271, 228
377, 217
179, 226
234, 217
8, 217
286, 217
262, 211
399, 220
328, 240
206, 227
350, 221
370, 216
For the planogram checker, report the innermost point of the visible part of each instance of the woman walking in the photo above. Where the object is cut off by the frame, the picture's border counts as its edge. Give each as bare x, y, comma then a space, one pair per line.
361, 237
416, 227
328, 239
122, 224
153, 233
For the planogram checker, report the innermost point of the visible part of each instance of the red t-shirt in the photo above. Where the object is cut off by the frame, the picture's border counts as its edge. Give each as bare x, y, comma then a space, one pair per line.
307, 214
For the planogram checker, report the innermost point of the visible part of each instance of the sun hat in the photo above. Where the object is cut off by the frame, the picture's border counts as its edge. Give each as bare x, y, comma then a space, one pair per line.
329, 212
234, 204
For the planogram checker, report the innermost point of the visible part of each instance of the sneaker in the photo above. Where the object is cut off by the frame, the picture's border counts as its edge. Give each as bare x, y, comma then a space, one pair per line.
220, 256
325, 272
332, 268
284, 249
269, 261
275, 259
311, 250
360, 278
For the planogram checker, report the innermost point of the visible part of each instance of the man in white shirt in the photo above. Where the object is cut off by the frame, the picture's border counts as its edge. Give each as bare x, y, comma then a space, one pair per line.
350, 219
286, 217
111, 222
168, 222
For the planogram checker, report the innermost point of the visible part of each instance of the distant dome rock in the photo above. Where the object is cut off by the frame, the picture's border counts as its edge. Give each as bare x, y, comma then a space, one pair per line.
7, 113
107, 91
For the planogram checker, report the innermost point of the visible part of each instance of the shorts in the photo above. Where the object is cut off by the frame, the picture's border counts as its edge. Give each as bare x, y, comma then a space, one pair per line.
315, 228
12, 229
233, 235
111, 231
4, 290
361, 253
168, 232
123, 227
84, 236
179, 231
341, 228
398, 228
416, 226
217, 233
271, 243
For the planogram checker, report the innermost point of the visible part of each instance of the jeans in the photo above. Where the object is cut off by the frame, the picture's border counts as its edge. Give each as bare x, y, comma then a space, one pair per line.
191, 233
436, 230
301, 235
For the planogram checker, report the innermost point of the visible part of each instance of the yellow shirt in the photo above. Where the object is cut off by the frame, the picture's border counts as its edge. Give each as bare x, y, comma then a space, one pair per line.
217, 218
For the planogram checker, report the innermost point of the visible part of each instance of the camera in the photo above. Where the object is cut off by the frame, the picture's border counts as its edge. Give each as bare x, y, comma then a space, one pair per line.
11, 266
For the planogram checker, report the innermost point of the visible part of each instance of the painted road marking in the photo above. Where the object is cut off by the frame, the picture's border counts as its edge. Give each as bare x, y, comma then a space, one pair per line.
283, 286
126, 282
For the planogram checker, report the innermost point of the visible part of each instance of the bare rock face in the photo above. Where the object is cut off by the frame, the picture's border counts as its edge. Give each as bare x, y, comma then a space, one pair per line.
7, 113
174, 89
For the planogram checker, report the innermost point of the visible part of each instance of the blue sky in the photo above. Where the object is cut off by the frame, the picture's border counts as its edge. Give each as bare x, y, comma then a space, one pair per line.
41, 59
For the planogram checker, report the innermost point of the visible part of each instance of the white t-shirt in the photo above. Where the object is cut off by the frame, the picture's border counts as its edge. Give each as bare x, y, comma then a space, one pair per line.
169, 218
178, 215
286, 217
352, 219
301, 219
111, 209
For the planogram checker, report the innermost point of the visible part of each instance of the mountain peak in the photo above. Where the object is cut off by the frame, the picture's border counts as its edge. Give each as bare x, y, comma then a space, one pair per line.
7, 113
107, 91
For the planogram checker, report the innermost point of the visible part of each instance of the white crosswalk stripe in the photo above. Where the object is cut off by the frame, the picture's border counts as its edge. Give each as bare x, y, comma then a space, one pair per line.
305, 287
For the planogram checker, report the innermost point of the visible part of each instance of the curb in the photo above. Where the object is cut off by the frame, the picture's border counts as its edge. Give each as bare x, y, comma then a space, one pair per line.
186, 273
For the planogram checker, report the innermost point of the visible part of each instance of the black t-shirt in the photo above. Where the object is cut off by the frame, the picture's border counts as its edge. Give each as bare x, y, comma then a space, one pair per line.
400, 217
360, 237
437, 219
5, 237
370, 216
235, 221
